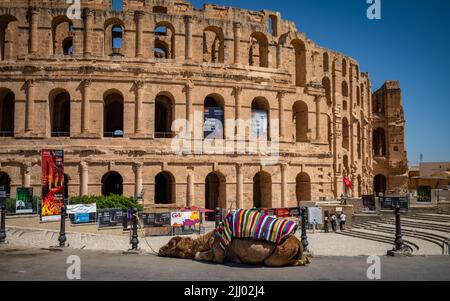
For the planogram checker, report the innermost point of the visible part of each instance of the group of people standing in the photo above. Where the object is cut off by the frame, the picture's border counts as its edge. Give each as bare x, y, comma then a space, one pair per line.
337, 221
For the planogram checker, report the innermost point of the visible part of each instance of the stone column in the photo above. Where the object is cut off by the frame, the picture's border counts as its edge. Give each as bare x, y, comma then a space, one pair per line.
138, 178
188, 90
318, 100
280, 97
188, 49
237, 91
86, 107
139, 18
279, 56
284, 188
29, 125
139, 99
26, 170
190, 189
88, 22
34, 30
239, 186
84, 179
237, 42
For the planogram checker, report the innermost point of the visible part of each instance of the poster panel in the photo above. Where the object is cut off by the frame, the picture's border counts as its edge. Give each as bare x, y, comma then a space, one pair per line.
82, 213
315, 215
52, 184
213, 126
111, 218
185, 219
259, 125
156, 219
24, 200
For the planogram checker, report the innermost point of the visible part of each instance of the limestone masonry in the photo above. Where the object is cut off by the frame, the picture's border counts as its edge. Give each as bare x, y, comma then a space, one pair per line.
107, 87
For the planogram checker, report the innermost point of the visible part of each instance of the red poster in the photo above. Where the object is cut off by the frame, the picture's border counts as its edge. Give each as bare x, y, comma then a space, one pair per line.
52, 184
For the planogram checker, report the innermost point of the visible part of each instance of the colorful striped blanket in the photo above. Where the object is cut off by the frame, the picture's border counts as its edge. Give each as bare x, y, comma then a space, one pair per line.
253, 225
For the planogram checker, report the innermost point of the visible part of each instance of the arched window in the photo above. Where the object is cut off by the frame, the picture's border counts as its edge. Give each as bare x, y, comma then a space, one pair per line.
7, 112
112, 183
114, 37
213, 45
344, 68
327, 86
379, 185
117, 36
60, 114
164, 46
326, 62
8, 35
68, 46
214, 117
300, 120
113, 116
379, 142
260, 119
163, 116
345, 134
164, 188
259, 50
262, 190
344, 89
303, 188
300, 62
62, 34
215, 190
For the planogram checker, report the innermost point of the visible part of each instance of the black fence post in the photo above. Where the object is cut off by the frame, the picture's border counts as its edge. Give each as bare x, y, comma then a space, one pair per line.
2, 223
305, 242
217, 217
400, 249
62, 232
134, 239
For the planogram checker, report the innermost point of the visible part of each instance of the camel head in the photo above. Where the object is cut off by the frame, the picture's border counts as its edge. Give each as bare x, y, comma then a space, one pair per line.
178, 247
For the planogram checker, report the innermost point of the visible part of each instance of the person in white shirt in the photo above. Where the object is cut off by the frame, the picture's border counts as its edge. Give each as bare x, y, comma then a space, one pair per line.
342, 217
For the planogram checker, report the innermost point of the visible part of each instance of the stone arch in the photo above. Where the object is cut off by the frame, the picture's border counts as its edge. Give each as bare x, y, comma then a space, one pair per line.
300, 120
379, 142
60, 104
378, 105
214, 117
260, 119
5, 181
379, 184
164, 188
259, 50
344, 89
326, 83
113, 120
114, 37
7, 112
213, 45
62, 35
164, 43
326, 62
9, 27
262, 190
300, 62
303, 188
112, 183
215, 191
344, 67
164, 114
345, 134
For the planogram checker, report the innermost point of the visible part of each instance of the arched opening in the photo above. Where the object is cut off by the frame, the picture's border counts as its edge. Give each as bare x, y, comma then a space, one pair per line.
303, 188
62, 33
358, 96
213, 45
112, 183
215, 189
326, 62
164, 45
117, 37
300, 120
7, 110
214, 117
260, 119
68, 46
114, 37
345, 134
8, 35
60, 114
344, 89
379, 185
113, 116
344, 68
262, 190
163, 116
379, 142
327, 86
164, 188
5, 183
259, 50
300, 62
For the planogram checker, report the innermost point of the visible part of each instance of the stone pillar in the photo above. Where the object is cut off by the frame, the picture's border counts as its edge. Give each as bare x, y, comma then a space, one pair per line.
29, 125
138, 178
318, 113
188, 49
86, 107
84, 179
139, 18
239, 186
237, 91
139, 99
188, 90
280, 97
284, 187
190, 189
279, 56
26, 175
34, 30
88, 23
237, 42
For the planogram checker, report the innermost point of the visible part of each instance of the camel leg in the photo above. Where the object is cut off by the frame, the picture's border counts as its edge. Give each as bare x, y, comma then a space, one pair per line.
284, 254
302, 259
205, 256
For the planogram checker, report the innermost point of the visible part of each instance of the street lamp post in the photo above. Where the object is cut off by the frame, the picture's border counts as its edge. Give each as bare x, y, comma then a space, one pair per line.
305, 242
400, 249
62, 232
134, 239
2, 223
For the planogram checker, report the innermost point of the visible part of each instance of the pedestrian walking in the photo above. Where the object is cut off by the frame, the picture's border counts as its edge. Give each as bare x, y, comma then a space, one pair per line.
342, 218
325, 223
333, 222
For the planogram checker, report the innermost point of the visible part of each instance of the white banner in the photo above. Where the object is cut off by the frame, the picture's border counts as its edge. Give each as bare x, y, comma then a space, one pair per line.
82, 208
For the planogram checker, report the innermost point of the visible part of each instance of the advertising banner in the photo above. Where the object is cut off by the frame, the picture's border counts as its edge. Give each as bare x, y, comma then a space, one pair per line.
259, 125
52, 184
156, 219
81, 213
24, 200
108, 218
214, 120
315, 215
185, 219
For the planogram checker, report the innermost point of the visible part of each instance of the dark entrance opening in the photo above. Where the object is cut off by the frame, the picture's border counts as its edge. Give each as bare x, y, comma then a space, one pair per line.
112, 183
379, 185
113, 118
7, 115
163, 188
5, 183
61, 115
163, 117
262, 190
212, 194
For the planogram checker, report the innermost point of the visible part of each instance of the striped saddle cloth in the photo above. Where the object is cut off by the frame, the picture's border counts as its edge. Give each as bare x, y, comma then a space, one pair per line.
253, 225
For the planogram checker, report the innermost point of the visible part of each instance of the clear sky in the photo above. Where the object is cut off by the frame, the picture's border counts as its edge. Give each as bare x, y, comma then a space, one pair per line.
411, 43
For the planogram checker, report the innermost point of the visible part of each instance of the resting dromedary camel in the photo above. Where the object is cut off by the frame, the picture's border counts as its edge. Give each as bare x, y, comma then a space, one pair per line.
244, 237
